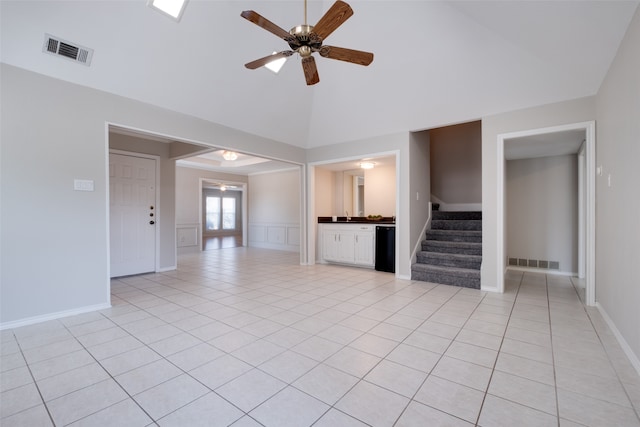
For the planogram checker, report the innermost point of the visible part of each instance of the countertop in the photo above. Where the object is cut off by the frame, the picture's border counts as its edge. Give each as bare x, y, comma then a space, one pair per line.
356, 220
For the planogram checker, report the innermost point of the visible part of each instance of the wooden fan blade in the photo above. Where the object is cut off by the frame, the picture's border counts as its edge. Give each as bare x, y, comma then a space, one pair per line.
310, 70
263, 22
348, 55
335, 16
267, 59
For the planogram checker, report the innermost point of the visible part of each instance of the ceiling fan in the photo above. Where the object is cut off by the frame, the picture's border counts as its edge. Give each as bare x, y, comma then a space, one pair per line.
307, 39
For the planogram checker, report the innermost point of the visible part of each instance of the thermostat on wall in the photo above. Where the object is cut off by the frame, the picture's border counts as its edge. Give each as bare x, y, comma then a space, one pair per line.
83, 184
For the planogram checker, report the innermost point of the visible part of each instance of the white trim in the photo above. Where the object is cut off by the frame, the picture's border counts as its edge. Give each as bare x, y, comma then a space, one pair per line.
590, 214
107, 286
311, 229
304, 223
399, 226
500, 225
158, 220
582, 165
294, 166
52, 316
165, 269
633, 358
542, 271
245, 215
590, 171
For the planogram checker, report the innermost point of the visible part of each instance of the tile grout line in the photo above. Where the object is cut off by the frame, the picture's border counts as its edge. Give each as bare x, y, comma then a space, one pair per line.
493, 369
411, 399
35, 383
553, 357
635, 409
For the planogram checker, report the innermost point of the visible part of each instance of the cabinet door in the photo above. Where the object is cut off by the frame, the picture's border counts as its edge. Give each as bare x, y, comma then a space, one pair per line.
346, 242
330, 245
364, 248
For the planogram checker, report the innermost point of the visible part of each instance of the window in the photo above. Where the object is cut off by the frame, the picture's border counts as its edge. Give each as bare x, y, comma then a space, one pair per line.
213, 213
220, 213
228, 213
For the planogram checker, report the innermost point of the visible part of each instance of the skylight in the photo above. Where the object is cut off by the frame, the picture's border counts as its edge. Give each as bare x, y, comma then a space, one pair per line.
276, 65
173, 8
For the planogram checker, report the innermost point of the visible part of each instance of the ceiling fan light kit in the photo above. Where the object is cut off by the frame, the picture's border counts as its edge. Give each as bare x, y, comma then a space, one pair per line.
308, 39
229, 155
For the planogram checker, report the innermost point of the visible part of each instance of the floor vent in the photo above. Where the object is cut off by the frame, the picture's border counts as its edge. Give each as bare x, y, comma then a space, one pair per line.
533, 263
59, 47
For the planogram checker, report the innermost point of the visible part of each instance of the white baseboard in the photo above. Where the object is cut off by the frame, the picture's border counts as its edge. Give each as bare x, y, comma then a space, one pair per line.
633, 358
52, 316
542, 270
164, 269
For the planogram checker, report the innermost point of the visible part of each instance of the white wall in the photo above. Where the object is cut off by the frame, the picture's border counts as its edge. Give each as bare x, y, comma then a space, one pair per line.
54, 241
420, 187
274, 210
618, 205
325, 193
575, 111
188, 191
542, 210
380, 190
456, 163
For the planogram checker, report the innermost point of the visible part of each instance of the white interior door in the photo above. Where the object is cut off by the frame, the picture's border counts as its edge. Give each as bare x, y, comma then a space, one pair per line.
133, 214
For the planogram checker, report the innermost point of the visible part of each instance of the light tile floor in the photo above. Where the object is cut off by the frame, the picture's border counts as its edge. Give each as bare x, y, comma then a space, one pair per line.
248, 337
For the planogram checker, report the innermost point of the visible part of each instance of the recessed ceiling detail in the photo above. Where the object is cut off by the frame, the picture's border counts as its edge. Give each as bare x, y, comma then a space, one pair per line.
59, 47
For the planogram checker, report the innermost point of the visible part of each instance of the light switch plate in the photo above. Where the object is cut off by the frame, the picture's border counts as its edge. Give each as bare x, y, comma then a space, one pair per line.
83, 184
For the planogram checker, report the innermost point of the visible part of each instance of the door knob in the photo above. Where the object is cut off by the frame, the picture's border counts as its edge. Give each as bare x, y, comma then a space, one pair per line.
152, 222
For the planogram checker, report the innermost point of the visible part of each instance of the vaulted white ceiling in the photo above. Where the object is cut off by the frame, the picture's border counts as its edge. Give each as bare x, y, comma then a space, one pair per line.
436, 62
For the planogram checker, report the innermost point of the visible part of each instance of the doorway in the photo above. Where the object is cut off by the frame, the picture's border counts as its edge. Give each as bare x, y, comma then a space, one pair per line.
586, 204
222, 215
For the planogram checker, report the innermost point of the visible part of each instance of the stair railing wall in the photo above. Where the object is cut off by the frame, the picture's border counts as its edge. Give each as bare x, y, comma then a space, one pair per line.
418, 245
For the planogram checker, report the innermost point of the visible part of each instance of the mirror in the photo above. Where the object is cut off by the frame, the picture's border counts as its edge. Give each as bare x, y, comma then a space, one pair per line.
353, 192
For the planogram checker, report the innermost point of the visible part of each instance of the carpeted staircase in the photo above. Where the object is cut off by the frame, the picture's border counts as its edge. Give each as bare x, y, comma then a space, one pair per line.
452, 251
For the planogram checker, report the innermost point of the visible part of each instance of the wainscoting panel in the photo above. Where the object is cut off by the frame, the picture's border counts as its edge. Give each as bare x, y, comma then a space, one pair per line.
280, 236
187, 235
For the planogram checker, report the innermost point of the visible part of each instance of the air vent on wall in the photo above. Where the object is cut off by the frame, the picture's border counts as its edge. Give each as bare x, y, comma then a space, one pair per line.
59, 47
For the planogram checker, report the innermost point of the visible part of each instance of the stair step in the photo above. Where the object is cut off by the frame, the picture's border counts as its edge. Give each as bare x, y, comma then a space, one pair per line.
441, 246
456, 215
472, 262
455, 235
456, 224
462, 277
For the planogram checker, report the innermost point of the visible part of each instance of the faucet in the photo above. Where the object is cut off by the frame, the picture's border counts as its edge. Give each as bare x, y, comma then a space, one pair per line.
347, 212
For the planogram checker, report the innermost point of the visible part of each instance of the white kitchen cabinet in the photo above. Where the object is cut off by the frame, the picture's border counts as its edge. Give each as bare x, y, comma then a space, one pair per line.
348, 243
364, 248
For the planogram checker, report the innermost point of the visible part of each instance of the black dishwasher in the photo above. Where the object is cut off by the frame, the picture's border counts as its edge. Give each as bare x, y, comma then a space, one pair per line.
386, 248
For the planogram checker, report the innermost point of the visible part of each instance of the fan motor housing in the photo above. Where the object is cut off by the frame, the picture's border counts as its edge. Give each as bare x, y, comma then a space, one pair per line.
301, 32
